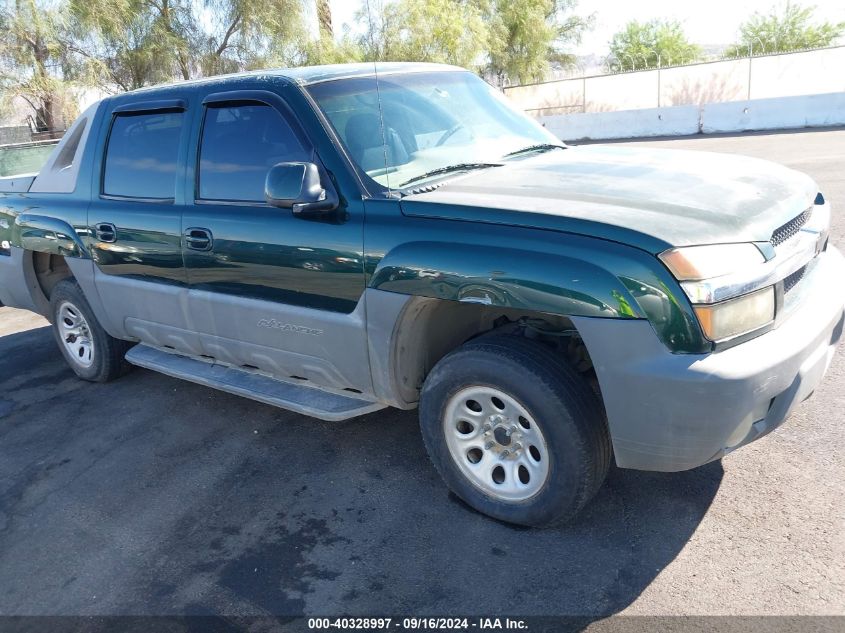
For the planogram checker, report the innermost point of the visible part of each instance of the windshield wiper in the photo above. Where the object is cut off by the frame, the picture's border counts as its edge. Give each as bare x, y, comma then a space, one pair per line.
540, 147
449, 169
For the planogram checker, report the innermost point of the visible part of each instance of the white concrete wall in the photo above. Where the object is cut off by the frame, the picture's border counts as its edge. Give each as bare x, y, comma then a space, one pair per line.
704, 83
811, 72
676, 121
622, 92
788, 74
774, 114
560, 97
738, 116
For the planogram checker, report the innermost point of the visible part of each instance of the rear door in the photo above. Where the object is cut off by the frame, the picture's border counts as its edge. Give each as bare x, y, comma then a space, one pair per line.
269, 290
135, 220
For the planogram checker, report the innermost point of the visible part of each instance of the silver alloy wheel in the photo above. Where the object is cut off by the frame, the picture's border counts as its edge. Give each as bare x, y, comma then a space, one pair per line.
495, 443
75, 334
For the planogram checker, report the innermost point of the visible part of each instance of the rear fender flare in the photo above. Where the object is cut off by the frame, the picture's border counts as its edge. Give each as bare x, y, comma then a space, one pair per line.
45, 234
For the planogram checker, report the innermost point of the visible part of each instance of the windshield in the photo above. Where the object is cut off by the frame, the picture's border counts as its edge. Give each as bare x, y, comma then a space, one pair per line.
432, 121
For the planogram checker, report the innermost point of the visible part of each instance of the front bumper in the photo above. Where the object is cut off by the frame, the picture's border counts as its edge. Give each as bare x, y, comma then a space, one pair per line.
673, 412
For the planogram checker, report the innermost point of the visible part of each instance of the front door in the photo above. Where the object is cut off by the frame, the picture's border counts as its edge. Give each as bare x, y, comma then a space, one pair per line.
269, 290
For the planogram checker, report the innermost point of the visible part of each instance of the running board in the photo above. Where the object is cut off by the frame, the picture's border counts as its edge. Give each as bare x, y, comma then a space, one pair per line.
303, 399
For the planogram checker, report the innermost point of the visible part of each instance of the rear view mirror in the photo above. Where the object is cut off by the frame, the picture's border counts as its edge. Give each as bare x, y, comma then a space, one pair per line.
298, 187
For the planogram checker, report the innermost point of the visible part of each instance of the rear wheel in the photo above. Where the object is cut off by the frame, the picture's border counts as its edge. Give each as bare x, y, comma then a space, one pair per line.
515, 431
87, 347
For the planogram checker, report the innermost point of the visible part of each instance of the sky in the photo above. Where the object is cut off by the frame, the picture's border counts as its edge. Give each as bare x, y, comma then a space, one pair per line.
707, 22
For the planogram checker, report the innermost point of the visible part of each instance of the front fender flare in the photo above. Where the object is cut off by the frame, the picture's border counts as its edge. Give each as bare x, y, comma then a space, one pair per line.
608, 280
508, 278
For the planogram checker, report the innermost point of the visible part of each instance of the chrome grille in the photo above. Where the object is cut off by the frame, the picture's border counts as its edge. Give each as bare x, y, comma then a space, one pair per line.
791, 228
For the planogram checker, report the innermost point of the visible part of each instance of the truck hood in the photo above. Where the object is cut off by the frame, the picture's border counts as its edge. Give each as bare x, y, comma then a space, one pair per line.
654, 199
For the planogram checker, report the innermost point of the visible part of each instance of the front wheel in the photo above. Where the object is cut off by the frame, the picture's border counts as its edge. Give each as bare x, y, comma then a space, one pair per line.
89, 350
514, 431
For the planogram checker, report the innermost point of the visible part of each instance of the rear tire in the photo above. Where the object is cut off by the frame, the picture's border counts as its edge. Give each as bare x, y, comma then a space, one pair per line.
514, 431
89, 350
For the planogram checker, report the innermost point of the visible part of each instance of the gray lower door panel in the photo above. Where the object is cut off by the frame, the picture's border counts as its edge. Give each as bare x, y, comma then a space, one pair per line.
154, 302
327, 348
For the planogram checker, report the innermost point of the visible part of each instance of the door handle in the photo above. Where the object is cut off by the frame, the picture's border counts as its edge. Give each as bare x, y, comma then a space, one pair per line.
198, 239
106, 232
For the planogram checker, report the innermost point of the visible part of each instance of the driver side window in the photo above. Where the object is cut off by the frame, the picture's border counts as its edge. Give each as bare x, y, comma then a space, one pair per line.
410, 124
239, 145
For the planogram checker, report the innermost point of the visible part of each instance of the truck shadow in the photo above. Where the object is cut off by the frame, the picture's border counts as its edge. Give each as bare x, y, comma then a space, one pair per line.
386, 537
232, 506
593, 567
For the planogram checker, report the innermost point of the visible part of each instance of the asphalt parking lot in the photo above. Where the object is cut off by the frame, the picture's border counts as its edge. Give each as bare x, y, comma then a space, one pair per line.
153, 496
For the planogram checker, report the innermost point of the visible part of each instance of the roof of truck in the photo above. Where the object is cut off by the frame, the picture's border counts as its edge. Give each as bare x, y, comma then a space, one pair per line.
305, 75
316, 74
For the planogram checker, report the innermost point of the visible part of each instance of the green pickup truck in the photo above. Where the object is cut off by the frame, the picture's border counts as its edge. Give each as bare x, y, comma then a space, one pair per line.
336, 240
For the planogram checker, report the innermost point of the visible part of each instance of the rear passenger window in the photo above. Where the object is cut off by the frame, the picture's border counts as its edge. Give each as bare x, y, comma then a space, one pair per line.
239, 145
142, 154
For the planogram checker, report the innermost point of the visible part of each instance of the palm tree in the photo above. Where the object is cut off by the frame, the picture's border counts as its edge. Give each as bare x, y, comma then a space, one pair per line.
324, 16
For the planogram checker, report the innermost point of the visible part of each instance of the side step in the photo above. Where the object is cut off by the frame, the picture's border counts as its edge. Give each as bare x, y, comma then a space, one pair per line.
302, 399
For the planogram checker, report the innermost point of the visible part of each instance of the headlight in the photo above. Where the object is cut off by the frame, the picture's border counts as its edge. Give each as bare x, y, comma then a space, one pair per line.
738, 316
705, 262
732, 286
714, 278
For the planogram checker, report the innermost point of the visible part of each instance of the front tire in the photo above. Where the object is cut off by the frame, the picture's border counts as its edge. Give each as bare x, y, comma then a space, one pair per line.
514, 431
89, 350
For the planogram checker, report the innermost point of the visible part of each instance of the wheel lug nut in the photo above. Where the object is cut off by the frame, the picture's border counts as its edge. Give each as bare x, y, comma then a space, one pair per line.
505, 453
488, 445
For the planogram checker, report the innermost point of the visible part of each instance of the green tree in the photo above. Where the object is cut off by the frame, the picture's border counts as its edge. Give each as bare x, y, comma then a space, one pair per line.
446, 31
249, 34
324, 18
645, 44
134, 43
792, 28
36, 61
138, 42
529, 34
326, 49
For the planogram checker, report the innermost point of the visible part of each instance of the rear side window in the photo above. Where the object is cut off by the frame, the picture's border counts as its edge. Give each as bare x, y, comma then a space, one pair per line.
240, 143
68, 151
142, 154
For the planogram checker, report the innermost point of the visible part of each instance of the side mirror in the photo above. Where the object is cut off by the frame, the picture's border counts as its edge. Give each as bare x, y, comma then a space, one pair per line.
298, 187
